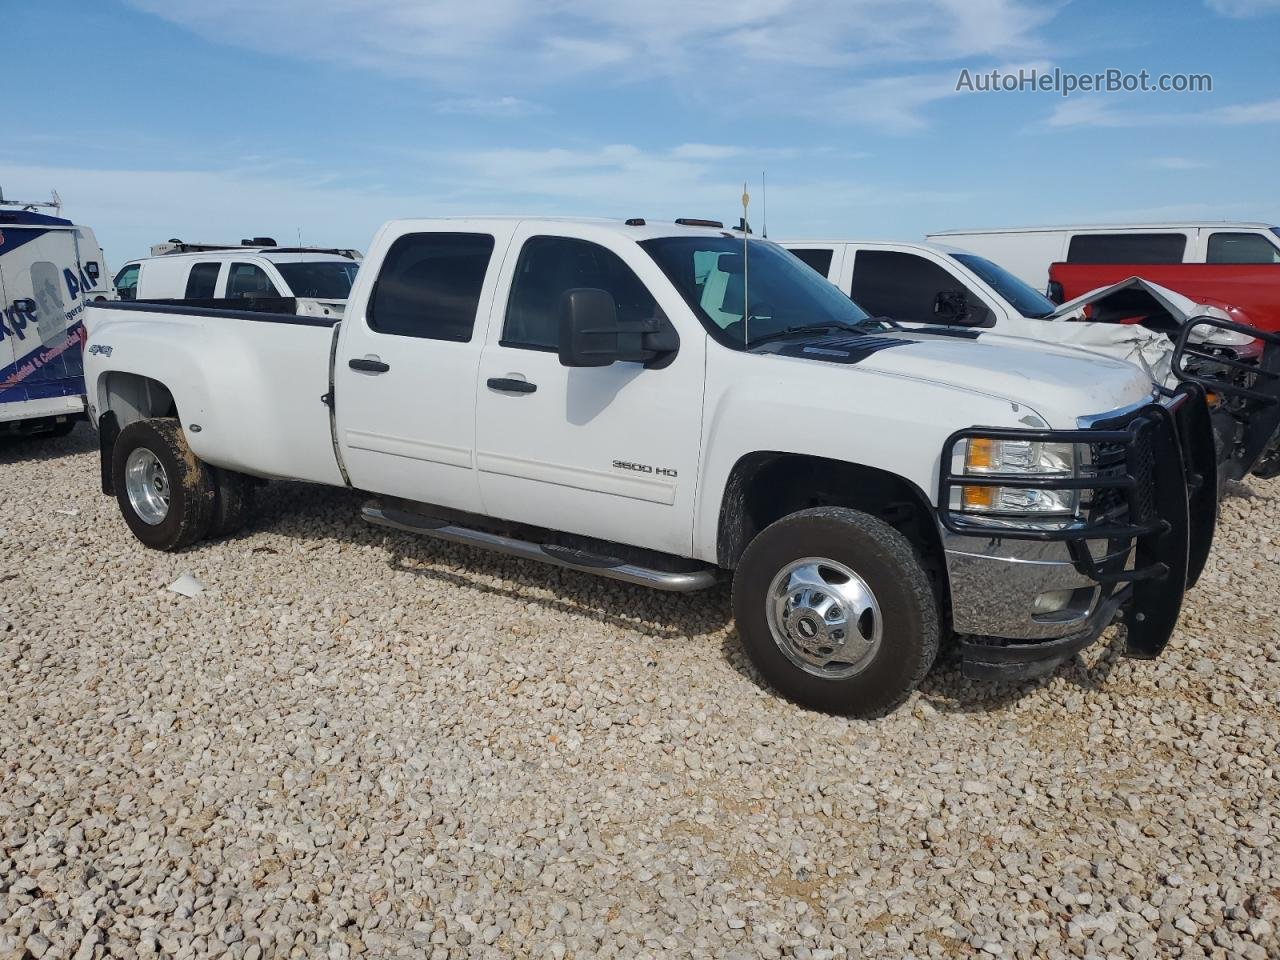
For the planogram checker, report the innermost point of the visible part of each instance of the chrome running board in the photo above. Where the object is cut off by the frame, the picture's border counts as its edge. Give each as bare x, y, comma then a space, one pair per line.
545, 553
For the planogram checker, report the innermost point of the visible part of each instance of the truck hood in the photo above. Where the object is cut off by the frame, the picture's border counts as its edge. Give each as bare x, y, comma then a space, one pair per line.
1061, 383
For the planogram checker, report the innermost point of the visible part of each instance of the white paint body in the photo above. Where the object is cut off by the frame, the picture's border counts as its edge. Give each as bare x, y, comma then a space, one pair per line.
1148, 349
430, 429
1027, 252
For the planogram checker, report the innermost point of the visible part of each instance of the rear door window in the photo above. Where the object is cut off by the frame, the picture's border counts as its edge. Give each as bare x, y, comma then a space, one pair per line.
248, 280
430, 285
1241, 248
904, 286
1127, 248
817, 258
202, 281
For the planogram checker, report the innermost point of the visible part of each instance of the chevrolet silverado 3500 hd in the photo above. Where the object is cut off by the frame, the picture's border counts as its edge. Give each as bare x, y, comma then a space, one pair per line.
664, 403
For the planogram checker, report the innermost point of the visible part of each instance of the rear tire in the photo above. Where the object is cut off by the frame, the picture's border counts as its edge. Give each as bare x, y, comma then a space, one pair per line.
165, 493
836, 611
232, 502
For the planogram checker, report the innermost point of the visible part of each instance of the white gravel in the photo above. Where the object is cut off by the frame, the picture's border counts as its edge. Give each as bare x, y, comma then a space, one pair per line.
354, 743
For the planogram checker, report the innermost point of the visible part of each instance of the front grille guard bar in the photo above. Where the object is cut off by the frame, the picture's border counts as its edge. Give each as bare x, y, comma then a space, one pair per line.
1253, 404
1266, 370
1078, 533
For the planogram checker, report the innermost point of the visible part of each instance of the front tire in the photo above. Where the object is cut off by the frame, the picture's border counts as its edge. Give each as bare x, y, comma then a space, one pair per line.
836, 611
165, 493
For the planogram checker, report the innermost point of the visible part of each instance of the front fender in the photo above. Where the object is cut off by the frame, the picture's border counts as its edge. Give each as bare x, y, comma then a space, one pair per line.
883, 421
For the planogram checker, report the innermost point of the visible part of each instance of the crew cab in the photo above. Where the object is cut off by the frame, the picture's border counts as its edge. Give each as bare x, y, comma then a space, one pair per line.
672, 404
259, 275
1171, 336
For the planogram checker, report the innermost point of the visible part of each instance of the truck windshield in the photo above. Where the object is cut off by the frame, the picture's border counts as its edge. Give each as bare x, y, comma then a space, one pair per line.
1021, 295
325, 279
776, 291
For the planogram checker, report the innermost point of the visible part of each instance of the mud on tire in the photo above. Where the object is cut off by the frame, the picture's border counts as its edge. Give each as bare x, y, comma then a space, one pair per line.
166, 508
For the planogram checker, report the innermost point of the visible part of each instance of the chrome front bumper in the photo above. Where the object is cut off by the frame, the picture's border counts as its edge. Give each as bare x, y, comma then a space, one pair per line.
996, 583
1021, 608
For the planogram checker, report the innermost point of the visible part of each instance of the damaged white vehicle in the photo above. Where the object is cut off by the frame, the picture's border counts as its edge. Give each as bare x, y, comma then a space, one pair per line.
1170, 336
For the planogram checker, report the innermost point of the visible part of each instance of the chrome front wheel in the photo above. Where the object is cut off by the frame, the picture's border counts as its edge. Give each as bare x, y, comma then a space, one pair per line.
824, 618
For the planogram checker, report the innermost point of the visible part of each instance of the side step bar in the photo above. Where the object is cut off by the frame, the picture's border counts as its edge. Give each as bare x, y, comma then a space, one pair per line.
546, 553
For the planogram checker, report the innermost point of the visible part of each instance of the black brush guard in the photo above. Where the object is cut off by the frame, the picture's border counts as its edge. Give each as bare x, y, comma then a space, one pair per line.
1249, 392
1153, 488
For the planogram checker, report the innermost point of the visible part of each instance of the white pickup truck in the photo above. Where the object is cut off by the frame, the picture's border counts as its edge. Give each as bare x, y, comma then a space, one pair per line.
1170, 336
667, 403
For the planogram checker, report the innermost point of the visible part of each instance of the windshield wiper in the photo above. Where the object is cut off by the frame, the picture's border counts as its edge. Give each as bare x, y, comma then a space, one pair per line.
811, 328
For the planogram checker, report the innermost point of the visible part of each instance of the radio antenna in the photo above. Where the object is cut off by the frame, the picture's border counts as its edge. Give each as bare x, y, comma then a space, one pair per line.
746, 314
764, 204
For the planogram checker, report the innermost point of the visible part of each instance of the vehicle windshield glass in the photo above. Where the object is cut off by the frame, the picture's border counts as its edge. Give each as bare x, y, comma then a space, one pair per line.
779, 292
1276, 231
326, 279
1024, 298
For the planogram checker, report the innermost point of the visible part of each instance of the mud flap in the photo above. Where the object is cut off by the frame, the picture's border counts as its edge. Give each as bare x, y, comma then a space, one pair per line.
108, 430
1153, 612
1195, 429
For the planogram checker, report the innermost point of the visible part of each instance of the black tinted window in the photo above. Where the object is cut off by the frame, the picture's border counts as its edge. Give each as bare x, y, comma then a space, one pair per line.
202, 281
430, 285
127, 282
1241, 248
820, 260
250, 280
903, 286
1126, 248
326, 279
548, 267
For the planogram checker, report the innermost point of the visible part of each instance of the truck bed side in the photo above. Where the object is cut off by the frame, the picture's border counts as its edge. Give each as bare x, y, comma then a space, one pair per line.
246, 386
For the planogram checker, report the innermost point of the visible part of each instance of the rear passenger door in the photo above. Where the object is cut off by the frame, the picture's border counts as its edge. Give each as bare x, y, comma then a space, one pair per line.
405, 376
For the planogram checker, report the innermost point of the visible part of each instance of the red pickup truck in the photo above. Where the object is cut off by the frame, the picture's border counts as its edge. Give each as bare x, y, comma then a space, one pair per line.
1248, 292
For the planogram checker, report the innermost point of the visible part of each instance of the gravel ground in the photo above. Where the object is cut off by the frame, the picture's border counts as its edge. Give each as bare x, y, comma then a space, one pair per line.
362, 744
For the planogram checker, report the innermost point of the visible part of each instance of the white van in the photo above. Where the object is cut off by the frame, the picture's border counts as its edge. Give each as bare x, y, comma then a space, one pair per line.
319, 280
49, 268
1027, 252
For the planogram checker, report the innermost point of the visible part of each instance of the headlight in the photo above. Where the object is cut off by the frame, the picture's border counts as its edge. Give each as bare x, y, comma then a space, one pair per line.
991, 459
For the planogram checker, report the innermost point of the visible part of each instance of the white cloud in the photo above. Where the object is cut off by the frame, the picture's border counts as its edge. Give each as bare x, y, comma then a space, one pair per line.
490, 106
1096, 112
1240, 9
1177, 163
130, 209
761, 51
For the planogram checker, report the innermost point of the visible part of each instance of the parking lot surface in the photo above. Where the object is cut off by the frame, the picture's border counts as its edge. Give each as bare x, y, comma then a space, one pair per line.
357, 743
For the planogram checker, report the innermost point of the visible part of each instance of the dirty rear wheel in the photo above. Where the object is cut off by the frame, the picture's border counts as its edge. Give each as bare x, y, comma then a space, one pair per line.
835, 609
165, 493
232, 503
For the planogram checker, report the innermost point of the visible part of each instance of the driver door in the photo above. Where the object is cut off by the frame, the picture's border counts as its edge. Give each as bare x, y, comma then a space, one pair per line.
610, 452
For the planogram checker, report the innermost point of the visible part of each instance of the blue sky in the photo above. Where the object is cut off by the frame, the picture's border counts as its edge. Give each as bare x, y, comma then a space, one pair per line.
220, 120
